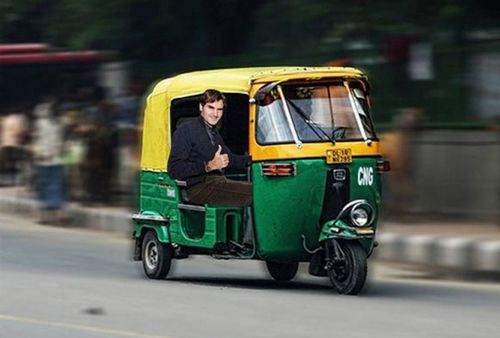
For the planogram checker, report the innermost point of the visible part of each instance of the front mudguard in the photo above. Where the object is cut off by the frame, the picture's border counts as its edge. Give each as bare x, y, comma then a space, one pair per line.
340, 230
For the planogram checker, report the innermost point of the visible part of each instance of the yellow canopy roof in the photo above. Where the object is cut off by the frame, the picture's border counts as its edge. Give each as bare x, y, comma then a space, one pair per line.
156, 128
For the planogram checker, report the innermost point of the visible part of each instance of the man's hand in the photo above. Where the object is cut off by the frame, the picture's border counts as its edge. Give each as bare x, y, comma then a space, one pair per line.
220, 161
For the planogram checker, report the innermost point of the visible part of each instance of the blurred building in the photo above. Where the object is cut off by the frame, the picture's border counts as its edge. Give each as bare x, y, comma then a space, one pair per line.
28, 71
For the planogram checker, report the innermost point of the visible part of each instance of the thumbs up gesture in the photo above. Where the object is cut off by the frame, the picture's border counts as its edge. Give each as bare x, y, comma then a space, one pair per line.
220, 161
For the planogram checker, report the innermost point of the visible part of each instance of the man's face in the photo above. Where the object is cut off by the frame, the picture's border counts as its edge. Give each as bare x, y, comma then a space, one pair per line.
212, 112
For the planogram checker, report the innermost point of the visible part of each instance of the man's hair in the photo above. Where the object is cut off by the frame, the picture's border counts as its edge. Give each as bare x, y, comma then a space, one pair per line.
212, 95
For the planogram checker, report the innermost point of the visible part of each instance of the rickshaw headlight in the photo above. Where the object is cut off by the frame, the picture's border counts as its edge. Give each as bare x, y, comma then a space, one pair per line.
360, 216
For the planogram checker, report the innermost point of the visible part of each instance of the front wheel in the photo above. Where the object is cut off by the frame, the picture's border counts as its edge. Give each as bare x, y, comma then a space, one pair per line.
282, 272
349, 269
156, 256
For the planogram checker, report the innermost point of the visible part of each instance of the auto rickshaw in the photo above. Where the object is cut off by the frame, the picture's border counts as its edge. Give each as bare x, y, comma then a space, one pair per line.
315, 170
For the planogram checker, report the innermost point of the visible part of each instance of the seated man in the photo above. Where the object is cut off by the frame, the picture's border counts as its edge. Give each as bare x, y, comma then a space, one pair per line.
198, 155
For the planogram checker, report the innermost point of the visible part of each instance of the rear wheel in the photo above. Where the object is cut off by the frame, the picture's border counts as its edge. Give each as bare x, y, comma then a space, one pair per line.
282, 272
156, 256
348, 273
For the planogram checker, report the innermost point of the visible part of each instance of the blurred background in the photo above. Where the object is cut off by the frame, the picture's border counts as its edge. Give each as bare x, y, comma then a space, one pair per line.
73, 80
434, 67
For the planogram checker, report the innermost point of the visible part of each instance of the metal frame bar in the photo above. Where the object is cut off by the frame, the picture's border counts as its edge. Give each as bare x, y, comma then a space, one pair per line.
298, 142
356, 115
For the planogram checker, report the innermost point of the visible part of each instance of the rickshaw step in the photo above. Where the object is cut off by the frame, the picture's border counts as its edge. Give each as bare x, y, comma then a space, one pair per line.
138, 218
192, 207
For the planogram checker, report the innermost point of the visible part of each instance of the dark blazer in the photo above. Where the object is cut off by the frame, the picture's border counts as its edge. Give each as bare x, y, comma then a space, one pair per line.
193, 145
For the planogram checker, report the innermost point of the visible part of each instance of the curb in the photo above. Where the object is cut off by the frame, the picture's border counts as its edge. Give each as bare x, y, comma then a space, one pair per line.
109, 220
462, 254
456, 254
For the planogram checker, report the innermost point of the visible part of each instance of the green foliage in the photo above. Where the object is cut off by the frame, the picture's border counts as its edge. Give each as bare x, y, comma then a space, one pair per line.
167, 36
24, 21
170, 30
78, 24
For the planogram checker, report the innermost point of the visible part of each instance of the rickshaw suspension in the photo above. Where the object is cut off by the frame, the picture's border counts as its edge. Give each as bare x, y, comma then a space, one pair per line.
334, 255
235, 251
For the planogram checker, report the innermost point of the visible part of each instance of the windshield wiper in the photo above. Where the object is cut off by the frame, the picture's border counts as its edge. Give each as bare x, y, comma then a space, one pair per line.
310, 123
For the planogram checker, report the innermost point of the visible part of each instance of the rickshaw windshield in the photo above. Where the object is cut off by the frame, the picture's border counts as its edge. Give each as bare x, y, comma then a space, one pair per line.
317, 113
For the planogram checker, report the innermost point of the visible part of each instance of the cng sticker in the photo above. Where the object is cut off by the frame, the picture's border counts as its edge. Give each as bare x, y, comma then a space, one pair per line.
365, 176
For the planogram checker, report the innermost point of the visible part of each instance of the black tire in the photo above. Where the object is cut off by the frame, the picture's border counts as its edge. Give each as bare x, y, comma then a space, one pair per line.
282, 272
156, 256
348, 277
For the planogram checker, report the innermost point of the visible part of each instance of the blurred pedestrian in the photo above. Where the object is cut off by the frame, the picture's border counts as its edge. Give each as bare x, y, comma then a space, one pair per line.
125, 122
14, 128
74, 148
99, 164
397, 147
127, 107
47, 149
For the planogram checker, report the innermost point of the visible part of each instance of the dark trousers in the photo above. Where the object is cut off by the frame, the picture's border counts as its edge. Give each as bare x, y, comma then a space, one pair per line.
12, 159
50, 186
220, 190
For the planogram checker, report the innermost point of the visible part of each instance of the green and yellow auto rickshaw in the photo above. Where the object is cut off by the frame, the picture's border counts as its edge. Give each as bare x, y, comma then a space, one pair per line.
316, 174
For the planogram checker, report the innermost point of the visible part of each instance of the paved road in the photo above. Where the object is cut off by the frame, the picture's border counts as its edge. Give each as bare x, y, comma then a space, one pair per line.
74, 283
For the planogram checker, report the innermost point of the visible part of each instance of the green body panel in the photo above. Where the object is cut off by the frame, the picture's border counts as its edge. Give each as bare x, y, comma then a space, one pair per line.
287, 207
361, 187
158, 193
365, 190
160, 196
205, 230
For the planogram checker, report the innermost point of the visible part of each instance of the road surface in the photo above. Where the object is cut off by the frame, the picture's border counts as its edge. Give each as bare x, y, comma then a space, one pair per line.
57, 282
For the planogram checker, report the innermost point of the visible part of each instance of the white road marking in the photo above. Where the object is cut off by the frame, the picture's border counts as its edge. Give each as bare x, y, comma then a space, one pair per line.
76, 327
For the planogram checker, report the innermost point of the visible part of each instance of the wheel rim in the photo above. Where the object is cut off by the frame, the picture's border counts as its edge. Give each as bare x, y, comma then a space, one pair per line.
151, 255
342, 273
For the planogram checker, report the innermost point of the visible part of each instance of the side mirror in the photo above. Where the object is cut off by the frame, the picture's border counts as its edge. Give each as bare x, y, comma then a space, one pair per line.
359, 94
265, 96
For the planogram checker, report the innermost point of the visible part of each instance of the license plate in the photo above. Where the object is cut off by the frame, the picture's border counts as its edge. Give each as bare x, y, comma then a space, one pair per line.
334, 156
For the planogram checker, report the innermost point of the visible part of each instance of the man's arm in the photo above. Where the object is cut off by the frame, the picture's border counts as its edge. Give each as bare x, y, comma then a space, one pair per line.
179, 165
237, 161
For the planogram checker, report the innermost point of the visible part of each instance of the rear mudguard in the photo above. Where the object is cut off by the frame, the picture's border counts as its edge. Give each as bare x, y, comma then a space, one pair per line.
161, 232
149, 222
152, 221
